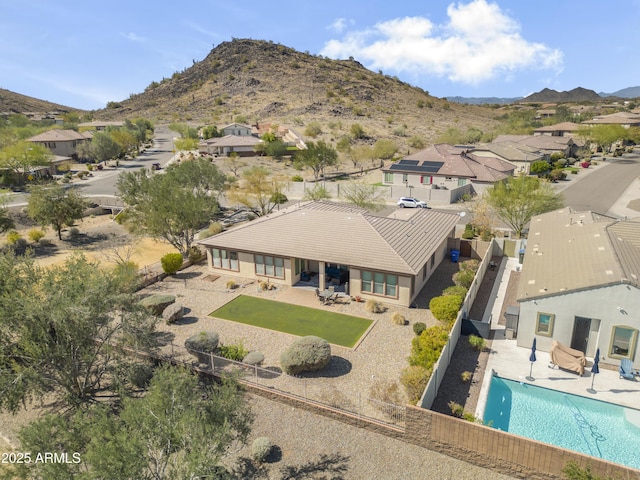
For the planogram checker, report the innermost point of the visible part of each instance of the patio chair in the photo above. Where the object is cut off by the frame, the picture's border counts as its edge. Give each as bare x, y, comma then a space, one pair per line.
626, 369
318, 296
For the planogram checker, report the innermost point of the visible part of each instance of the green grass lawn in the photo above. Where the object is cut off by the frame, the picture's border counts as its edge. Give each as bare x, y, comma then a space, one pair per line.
335, 328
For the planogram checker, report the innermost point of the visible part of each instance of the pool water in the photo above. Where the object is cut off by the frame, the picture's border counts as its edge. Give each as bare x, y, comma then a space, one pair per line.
584, 425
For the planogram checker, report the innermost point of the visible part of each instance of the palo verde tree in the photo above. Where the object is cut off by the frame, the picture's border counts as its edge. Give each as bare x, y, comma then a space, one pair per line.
257, 190
55, 205
317, 156
603, 135
363, 195
173, 206
180, 428
60, 331
517, 199
22, 156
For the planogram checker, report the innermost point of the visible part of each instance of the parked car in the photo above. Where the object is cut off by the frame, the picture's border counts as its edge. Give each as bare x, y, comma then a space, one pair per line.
411, 202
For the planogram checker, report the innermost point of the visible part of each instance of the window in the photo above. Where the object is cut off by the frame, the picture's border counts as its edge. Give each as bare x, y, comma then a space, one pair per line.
424, 271
433, 259
462, 182
269, 266
378, 283
544, 325
623, 342
224, 259
426, 179
299, 265
388, 177
405, 178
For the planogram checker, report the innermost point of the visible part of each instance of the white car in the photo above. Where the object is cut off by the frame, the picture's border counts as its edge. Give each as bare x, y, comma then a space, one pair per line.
411, 202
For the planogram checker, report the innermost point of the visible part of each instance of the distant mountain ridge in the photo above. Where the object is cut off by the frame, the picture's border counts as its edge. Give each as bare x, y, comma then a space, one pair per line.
551, 96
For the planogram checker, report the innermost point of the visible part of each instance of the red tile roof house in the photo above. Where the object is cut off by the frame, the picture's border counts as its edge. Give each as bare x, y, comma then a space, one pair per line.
381, 258
448, 167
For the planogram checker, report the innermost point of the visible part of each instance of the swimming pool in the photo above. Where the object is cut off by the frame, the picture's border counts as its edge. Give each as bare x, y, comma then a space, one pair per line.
584, 425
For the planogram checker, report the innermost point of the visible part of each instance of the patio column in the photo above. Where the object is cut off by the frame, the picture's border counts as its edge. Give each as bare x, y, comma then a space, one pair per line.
321, 275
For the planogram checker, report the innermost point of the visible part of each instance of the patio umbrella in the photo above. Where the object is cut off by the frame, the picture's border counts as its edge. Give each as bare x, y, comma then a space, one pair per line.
532, 358
595, 369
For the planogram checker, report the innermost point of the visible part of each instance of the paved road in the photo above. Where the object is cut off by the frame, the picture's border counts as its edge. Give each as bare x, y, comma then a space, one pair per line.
599, 190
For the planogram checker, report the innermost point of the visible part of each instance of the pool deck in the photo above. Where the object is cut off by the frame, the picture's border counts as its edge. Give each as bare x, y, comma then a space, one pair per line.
512, 362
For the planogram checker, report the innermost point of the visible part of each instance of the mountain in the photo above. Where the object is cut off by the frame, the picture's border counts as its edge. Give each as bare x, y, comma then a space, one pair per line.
484, 100
552, 96
255, 80
17, 103
630, 92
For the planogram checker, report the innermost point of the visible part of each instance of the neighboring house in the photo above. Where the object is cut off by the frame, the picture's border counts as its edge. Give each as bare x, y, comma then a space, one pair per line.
381, 258
545, 113
448, 167
626, 119
61, 142
99, 125
224, 146
238, 130
580, 284
510, 148
564, 129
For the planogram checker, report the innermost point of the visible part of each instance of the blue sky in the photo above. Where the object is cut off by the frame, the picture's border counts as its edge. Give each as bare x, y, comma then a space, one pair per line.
84, 54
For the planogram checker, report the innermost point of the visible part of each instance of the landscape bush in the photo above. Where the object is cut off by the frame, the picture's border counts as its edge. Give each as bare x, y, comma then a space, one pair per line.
463, 278
469, 265
414, 378
419, 327
195, 255
373, 306
306, 354
456, 290
261, 448
426, 349
13, 236
156, 303
171, 263
445, 308
398, 319
469, 232
35, 235
201, 345
74, 232
233, 351
297, 178
466, 376
231, 284
478, 343
387, 391
213, 229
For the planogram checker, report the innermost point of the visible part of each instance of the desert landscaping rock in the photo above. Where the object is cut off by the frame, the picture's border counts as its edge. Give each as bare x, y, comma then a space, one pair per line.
173, 313
156, 304
254, 358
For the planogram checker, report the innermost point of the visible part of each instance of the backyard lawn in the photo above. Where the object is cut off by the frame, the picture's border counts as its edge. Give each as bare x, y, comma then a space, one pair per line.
336, 328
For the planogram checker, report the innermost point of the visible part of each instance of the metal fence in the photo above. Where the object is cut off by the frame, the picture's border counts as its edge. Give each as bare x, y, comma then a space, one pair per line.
311, 389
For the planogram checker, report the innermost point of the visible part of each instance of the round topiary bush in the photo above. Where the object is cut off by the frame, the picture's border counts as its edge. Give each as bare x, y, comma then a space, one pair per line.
261, 448
307, 354
157, 303
201, 345
445, 308
171, 263
419, 327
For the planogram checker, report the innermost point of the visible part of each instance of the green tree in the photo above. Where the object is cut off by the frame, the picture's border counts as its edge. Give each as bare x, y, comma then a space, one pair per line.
385, 149
104, 147
22, 156
603, 135
540, 167
276, 149
357, 131
186, 144
60, 329
56, 206
178, 429
210, 131
517, 199
317, 156
175, 205
257, 190
184, 130
363, 195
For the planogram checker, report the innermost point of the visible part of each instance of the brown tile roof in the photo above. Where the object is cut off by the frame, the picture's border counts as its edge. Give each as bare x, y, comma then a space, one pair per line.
338, 233
559, 127
233, 141
569, 250
59, 136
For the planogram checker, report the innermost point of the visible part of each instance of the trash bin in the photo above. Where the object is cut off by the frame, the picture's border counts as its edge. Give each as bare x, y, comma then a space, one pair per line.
455, 254
521, 256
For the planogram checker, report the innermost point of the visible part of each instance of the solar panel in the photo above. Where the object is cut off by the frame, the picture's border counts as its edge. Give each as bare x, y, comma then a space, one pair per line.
409, 162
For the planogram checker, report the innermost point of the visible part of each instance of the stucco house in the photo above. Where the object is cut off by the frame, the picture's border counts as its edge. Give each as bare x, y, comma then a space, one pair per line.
61, 142
580, 284
563, 129
238, 130
383, 258
446, 166
243, 145
625, 119
509, 148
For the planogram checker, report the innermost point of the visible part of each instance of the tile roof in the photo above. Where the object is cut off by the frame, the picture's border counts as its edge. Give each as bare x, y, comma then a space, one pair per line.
569, 250
59, 136
559, 127
233, 141
342, 234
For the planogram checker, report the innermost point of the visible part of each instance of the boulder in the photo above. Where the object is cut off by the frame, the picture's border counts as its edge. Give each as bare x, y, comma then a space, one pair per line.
173, 313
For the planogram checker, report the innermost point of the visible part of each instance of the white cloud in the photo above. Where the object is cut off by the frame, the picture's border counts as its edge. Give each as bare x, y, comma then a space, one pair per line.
339, 24
133, 37
479, 42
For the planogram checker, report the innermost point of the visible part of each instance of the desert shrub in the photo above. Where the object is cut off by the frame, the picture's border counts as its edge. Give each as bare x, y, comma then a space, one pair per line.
478, 343
457, 410
573, 471
414, 379
471, 265
74, 232
540, 167
445, 308
373, 306
140, 374
470, 417
35, 235
233, 351
195, 255
261, 448
13, 236
426, 349
387, 392
464, 278
313, 129
253, 358
231, 284
306, 354
265, 285
125, 273
89, 167
455, 290
398, 319
466, 376
297, 178
202, 345
171, 263
157, 303
213, 229
469, 232
419, 327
